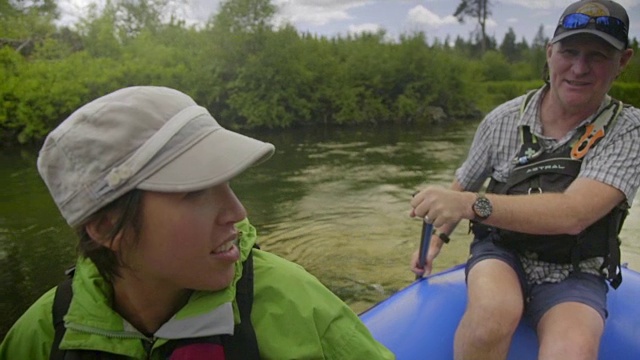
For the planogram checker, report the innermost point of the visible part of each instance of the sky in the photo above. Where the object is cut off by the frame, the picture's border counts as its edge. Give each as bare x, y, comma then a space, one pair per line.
433, 17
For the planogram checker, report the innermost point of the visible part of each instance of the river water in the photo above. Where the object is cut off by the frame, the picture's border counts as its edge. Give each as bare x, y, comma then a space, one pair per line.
336, 201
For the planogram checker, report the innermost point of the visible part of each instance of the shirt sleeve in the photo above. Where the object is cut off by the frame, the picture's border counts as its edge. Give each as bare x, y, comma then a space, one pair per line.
495, 143
616, 160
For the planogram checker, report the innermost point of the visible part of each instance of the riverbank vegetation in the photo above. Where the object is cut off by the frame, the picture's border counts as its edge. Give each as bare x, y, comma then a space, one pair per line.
251, 73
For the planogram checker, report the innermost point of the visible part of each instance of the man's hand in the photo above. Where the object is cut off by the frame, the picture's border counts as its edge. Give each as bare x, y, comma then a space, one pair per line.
434, 249
442, 206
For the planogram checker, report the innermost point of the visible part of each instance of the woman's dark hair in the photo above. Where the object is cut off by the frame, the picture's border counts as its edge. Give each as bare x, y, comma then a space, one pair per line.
127, 210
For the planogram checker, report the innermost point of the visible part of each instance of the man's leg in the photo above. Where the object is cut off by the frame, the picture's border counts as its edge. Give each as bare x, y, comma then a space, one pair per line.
494, 308
573, 313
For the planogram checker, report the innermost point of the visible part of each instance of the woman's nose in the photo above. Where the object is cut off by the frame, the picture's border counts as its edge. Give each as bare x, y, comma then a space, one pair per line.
234, 211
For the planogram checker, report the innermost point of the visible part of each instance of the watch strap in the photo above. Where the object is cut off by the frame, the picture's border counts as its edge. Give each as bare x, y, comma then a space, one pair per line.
444, 237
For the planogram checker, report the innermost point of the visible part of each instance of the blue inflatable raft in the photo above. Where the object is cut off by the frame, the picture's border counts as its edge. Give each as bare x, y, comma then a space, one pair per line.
419, 321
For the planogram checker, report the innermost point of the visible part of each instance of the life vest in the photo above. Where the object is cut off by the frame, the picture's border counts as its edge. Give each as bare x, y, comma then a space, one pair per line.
538, 171
242, 345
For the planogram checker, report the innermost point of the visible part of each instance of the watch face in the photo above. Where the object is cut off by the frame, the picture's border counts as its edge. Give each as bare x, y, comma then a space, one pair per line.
482, 207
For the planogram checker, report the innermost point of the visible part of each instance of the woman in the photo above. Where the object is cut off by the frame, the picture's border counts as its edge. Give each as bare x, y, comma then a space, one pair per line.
167, 266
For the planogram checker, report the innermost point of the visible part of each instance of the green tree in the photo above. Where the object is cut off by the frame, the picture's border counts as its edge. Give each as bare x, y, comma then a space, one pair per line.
495, 67
245, 16
25, 24
273, 87
509, 48
480, 10
99, 32
135, 15
238, 33
538, 52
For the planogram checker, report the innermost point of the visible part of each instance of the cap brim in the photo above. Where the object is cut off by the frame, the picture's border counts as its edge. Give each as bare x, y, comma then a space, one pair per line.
604, 36
215, 159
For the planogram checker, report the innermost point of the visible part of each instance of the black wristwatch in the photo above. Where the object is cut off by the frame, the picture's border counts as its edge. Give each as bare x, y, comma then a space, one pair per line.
482, 207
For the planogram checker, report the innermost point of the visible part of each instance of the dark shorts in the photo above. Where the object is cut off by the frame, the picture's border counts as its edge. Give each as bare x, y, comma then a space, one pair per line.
588, 289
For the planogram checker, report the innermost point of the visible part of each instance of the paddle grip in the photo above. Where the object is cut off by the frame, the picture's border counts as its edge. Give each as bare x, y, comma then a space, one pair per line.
425, 240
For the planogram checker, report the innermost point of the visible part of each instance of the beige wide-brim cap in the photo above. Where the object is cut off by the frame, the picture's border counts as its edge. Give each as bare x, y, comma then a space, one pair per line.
145, 137
217, 158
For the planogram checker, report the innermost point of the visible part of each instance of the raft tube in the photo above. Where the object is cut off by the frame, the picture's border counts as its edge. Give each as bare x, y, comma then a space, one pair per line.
419, 321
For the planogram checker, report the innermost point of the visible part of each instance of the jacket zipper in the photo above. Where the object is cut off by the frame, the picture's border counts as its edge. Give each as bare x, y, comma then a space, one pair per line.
148, 347
147, 342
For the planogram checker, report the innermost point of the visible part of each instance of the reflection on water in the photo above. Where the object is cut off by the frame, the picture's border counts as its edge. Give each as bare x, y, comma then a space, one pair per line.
339, 204
334, 201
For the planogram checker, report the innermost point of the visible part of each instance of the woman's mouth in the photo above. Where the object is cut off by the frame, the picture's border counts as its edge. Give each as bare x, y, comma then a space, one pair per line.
227, 246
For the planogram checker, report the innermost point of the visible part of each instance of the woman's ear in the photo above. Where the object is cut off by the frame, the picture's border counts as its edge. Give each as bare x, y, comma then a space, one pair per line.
101, 231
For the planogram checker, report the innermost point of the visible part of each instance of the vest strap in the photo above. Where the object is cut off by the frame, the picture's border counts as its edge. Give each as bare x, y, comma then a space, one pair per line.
242, 345
61, 303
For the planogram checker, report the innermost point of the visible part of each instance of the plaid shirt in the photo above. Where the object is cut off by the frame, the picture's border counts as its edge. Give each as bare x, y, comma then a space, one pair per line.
614, 161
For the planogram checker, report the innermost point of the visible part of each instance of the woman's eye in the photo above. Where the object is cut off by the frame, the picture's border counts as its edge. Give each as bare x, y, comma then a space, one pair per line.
195, 194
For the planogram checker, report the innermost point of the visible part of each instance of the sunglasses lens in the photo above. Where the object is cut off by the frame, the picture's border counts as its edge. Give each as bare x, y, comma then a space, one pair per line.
575, 21
610, 25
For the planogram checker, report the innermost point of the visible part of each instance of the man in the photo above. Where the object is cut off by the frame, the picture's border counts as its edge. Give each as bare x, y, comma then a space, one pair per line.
564, 164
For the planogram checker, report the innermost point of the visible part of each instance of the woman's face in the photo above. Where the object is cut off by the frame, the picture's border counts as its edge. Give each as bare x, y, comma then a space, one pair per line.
582, 69
188, 240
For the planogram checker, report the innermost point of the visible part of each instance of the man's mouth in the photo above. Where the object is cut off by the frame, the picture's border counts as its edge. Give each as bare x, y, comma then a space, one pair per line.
576, 83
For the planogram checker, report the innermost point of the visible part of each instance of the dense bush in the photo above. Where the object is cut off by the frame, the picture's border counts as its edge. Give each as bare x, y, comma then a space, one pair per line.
627, 92
250, 74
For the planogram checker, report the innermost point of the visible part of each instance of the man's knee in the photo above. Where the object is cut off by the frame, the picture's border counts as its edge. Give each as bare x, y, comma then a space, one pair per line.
491, 318
495, 297
485, 334
495, 304
490, 321
570, 331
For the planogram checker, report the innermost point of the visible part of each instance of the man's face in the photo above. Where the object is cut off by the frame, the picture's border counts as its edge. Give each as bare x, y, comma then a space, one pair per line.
582, 69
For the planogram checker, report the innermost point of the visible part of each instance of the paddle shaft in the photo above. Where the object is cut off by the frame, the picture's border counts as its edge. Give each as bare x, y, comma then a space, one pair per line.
425, 240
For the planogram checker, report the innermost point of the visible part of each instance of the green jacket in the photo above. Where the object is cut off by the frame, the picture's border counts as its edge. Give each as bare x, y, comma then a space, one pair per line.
294, 317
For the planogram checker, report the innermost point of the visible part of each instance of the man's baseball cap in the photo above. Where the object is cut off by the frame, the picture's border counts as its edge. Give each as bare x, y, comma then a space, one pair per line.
603, 18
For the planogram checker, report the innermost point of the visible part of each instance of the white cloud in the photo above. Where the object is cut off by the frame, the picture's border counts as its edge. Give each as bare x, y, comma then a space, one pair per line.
540, 4
314, 16
560, 4
200, 10
72, 10
420, 15
317, 12
330, 17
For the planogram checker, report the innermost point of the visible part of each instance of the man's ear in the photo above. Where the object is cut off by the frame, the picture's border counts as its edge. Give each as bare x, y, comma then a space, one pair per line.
626, 56
100, 230
549, 51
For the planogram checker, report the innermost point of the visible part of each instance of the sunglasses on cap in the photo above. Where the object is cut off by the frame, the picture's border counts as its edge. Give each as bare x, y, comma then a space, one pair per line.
607, 24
